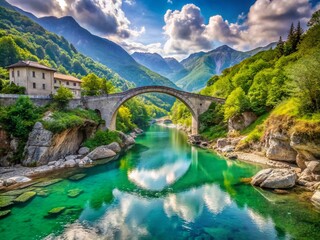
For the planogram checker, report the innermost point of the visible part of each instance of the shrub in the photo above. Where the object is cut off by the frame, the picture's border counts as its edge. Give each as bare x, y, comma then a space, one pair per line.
62, 97
102, 138
62, 120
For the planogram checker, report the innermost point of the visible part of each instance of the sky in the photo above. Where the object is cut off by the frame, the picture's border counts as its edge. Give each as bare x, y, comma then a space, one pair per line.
177, 28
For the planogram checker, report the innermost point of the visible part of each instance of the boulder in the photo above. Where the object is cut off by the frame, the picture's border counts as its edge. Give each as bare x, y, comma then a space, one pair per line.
84, 151
241, 121
101, 152
227, 149
301, 161
314, 166
126, 140
275, 178
316, 198
73, 193
279, 149
54, 212
70, 157
114, 147
222, 142
20, 179
70, 163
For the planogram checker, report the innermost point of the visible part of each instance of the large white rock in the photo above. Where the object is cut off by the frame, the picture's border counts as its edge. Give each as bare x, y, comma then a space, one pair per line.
70, 163
316, 198
20, 179
275, 178
101, 152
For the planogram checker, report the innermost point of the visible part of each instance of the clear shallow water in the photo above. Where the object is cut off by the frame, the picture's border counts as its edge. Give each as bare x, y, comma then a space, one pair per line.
164, 188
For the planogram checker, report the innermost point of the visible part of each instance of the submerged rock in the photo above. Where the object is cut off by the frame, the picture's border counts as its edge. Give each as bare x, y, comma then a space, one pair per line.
78, 177
275, 178
5, 213
6, 201
54, 212
48, 183
25, 197
73, 193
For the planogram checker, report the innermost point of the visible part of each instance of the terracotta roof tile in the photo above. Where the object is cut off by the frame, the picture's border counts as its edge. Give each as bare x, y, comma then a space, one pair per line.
31, 64
60, 76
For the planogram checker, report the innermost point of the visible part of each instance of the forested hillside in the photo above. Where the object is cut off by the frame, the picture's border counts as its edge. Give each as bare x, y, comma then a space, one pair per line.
284, 81
21, 38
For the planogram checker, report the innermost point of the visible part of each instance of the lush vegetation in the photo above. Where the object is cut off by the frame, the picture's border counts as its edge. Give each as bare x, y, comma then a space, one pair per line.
102, 138
61, 120
22, 39
62, 97
284, 80
92, 85
18, 120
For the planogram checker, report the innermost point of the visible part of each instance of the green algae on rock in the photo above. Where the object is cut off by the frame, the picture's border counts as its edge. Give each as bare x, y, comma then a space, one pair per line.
54, 212
25, 197
5, 213
73, 193
6, 201
48, 183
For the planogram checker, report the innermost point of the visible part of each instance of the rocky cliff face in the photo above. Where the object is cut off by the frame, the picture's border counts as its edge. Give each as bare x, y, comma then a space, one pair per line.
8, 146
43, 146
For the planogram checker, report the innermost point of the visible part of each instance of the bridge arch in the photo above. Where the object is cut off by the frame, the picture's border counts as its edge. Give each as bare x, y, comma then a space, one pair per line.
108, 105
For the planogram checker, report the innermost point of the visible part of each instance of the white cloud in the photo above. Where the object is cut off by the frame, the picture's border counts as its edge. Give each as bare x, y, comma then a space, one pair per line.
266, 20
104, 18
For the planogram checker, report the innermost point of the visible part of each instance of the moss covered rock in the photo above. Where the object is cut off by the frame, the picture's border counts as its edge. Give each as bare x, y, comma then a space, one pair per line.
6, 201
5, 213
48, 183
54, 212
25, 197
74, 192
43, 193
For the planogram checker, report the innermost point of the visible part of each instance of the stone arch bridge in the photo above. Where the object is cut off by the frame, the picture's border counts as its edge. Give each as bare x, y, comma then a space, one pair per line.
109, 104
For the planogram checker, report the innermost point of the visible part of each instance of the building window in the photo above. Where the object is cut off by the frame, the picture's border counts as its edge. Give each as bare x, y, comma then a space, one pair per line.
60, 82
43, 86
34, 85
67, 83
12, 73
18, 73
33, 74
74, 84
55, 81
43, 75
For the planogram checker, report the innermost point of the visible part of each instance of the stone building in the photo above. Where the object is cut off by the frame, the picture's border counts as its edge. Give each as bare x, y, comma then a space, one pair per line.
42, 80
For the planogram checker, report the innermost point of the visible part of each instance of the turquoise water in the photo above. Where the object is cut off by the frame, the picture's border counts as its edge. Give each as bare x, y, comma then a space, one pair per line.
163, 188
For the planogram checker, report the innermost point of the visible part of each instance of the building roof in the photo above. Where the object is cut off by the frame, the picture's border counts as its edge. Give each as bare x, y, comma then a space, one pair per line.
60, 76
31, 64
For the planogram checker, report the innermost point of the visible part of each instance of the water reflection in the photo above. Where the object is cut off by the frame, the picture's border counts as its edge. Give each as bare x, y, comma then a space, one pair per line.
158, 179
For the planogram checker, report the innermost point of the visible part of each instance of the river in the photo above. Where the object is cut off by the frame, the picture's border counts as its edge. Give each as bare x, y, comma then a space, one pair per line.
162, 188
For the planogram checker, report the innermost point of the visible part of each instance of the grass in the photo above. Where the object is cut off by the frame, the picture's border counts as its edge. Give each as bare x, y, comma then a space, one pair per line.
62, 120
255, 124
102, 138
215, 132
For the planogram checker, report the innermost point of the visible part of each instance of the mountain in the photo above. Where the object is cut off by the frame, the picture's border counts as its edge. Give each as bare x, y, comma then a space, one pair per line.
99, 49
202, 65
21, 38
153, 61
260, 49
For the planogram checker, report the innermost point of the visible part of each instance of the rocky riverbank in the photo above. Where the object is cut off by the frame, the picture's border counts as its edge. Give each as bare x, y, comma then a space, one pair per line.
40, 140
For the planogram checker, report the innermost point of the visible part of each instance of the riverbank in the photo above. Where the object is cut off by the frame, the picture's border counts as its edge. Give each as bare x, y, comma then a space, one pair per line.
19, 176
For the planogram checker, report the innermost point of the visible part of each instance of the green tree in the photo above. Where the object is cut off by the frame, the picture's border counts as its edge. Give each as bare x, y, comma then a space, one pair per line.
306, 78
11, 88
62, 97
236, 103
18, 119
280, 46
92, 85
315, 19
9, 51
290, 46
